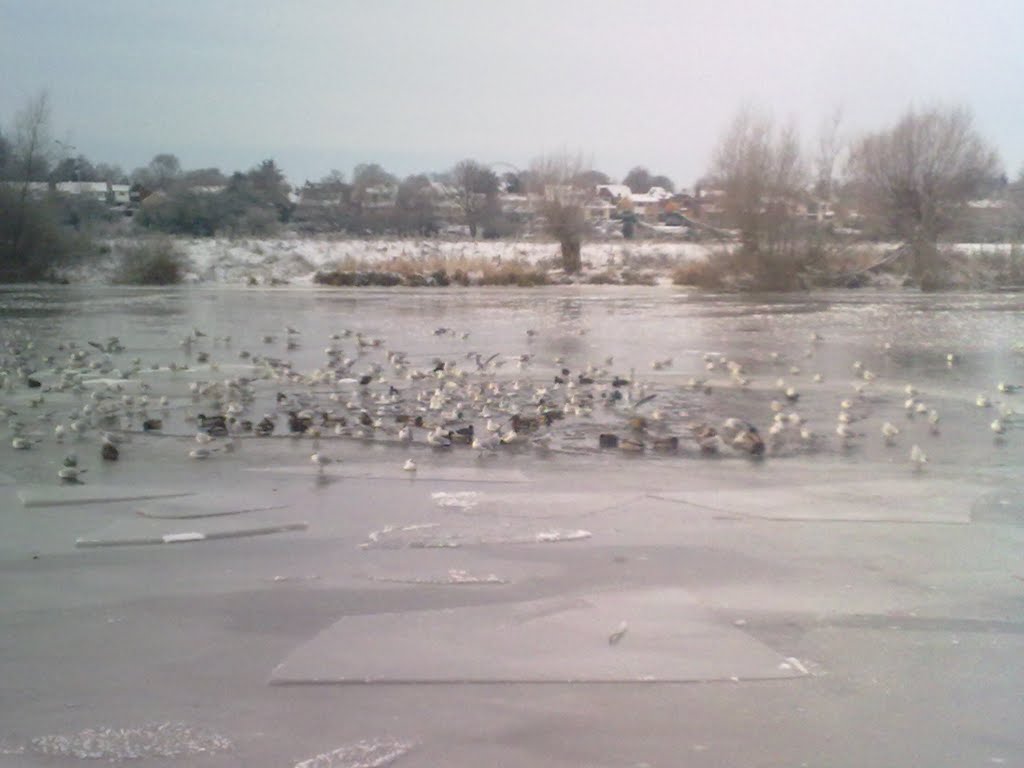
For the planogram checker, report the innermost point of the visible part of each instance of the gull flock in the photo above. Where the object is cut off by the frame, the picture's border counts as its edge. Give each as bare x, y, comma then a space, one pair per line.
93, 397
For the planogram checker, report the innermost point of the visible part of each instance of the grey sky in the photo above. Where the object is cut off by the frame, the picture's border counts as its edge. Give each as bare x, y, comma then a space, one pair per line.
416, 86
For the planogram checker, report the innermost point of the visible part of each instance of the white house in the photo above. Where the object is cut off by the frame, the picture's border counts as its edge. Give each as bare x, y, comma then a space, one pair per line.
121, 193
97, 190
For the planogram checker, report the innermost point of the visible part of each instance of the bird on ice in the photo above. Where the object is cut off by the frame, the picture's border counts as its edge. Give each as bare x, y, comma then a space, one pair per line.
918, 457
321, 461
620, 632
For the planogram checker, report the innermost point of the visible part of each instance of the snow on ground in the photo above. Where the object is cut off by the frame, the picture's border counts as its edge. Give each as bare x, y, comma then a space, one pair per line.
296, 260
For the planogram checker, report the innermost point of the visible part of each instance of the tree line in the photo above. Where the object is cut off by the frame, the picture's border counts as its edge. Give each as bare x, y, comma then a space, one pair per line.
911, 182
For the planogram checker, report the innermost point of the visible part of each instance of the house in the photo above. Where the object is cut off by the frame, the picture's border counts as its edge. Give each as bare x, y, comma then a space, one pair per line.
95, 190
649, 205
121, 193
613, 193
599, 209
36, 190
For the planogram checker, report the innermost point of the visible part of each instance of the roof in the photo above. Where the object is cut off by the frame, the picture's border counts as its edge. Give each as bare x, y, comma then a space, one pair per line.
615, 190
82, 187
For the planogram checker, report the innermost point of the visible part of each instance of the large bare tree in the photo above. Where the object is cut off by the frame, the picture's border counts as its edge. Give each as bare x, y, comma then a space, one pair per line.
553, 179
759, 167
918, 175
29, 239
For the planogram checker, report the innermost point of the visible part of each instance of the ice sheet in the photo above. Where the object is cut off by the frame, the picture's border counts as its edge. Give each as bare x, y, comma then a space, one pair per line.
384, 472
144, 531
668, 637
59, 495
915, 500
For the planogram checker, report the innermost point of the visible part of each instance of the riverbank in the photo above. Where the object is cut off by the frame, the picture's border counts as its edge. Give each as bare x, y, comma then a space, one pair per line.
360, 262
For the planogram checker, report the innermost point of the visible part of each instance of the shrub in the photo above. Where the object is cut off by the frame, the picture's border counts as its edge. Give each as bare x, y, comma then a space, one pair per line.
152, 262
32, 241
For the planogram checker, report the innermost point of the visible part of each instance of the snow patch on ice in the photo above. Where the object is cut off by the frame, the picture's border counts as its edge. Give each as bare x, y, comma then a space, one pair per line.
362, 754
458, 499
151, 740
562, 535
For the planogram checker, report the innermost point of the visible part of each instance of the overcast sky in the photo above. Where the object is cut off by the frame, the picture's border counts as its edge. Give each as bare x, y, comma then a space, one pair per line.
417, 86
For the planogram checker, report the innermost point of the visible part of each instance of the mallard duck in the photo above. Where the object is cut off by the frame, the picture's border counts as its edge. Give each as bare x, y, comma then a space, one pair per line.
707, 438
749, 440
666, 444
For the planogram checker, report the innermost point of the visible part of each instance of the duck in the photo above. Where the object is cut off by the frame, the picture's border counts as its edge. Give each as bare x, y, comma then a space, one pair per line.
707, 438
749, 440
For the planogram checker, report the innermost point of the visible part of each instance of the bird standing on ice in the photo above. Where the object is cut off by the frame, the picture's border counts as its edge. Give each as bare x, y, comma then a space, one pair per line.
918, 458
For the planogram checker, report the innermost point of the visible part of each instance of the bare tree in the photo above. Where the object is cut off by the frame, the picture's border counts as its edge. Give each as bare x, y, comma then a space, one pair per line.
476, 192
829, 147
760, 169
562, 206
29, 236
919, 175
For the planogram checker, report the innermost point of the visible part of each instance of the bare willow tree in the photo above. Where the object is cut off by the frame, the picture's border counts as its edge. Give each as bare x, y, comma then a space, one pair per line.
29, 238
918, 176
554, 179
760, 169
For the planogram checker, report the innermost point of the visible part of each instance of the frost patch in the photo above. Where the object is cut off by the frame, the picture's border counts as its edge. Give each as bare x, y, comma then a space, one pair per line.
560, 535
151, 740
362, 754
458, 499
395, 537
455, 576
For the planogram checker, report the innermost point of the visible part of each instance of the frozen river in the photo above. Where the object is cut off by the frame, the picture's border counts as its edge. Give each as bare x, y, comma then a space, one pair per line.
829, 602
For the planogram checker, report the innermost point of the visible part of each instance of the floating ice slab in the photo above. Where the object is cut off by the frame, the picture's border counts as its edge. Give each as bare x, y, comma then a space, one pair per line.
141, 531
382, 472
916, 500
59, 495
658, 635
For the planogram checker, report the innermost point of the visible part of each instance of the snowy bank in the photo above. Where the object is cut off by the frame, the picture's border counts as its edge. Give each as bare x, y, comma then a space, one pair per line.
297, 260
